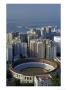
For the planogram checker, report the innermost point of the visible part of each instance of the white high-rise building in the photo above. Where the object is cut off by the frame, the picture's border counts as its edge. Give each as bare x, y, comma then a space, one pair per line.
33, 48
55, 51
16, 50
57, 41
40, 49
23, 49
9, 38
31, 35
47, 51
9, 53
42, 29
37, 48
50, 51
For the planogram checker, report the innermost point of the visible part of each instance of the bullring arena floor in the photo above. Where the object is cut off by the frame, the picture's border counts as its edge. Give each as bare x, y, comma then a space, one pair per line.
34, 71
35, 68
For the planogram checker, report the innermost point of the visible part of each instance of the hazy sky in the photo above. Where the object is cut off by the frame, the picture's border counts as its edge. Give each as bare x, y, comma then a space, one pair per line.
34, 12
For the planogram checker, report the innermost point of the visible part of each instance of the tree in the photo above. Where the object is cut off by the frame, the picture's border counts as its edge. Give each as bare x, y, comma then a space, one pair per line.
56, 80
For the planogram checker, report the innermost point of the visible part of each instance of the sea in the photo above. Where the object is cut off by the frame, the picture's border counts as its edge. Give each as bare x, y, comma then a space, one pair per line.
19, 26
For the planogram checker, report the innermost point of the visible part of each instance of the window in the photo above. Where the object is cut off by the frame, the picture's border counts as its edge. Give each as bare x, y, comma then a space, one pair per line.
19, 76
30, 78
27, 78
